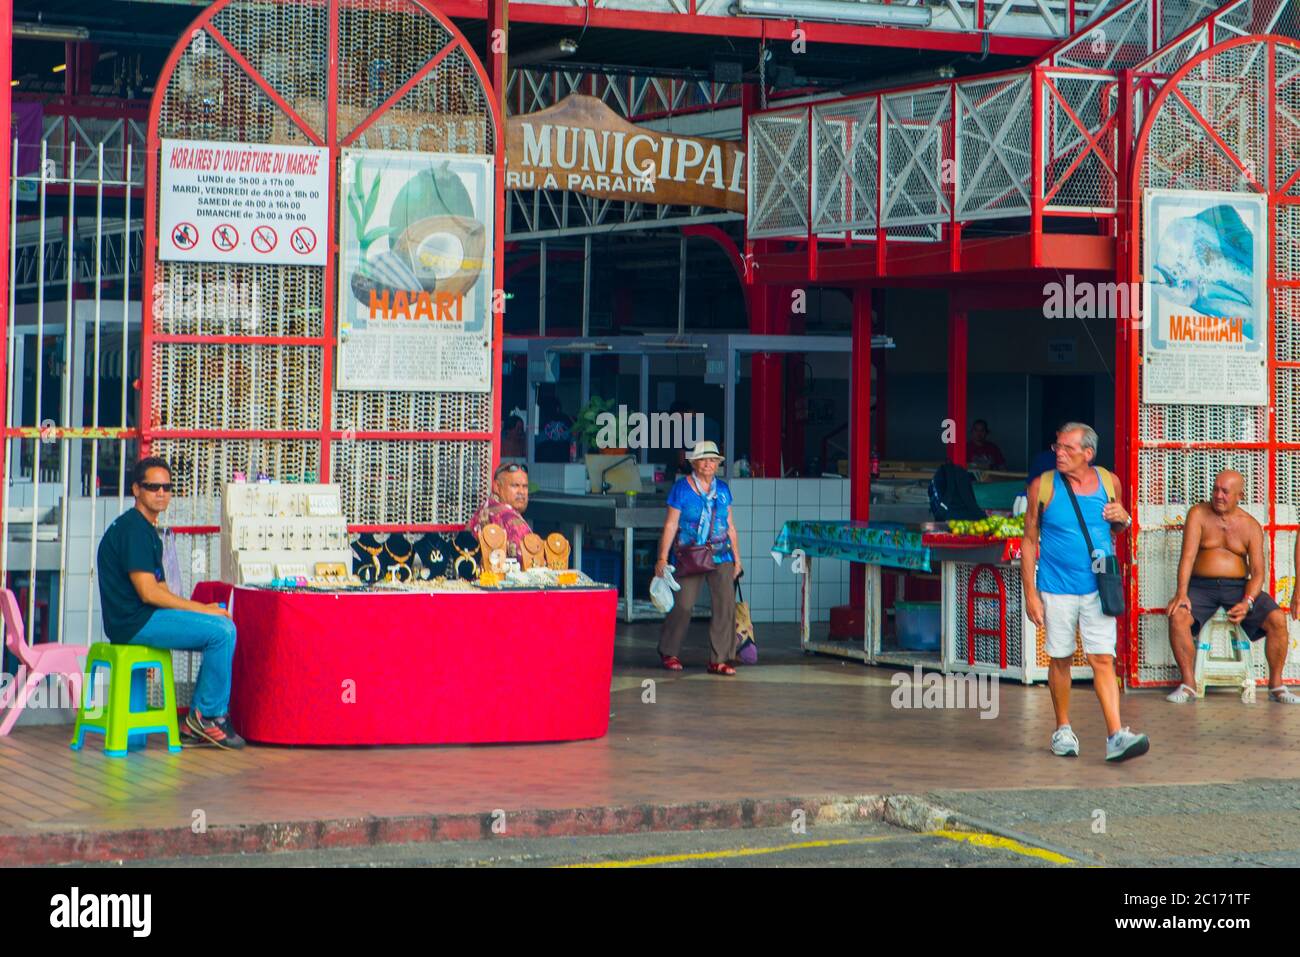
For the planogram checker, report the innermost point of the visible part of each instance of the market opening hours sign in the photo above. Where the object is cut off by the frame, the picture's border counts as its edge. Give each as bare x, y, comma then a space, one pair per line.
243, 203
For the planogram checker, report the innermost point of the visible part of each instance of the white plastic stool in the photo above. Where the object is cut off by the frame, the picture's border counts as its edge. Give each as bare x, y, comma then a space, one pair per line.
1234, 671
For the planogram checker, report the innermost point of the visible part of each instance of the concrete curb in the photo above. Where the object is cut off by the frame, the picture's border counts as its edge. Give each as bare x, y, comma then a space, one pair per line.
912, 812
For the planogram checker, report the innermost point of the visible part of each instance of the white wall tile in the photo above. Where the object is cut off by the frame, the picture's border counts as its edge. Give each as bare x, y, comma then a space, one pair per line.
742, 491
807, 491
764, 491
787, 492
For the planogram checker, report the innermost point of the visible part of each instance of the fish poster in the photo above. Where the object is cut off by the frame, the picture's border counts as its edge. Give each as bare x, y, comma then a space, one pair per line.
415, 271
1206, 270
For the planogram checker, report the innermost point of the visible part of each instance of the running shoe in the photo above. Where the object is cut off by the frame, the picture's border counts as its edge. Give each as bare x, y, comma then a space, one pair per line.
1124, 744
1065, 743
213, 730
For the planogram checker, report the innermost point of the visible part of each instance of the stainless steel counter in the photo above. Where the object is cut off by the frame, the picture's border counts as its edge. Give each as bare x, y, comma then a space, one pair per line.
604, 513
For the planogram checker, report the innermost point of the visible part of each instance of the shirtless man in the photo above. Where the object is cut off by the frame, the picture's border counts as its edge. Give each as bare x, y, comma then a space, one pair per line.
1222, 566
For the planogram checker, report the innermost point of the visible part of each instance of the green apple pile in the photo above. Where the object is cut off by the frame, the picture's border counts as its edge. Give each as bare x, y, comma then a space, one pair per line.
995, 526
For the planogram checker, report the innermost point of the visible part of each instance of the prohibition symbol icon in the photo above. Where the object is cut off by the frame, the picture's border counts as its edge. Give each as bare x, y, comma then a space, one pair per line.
185, 236
303, 240
225, 237
264, 239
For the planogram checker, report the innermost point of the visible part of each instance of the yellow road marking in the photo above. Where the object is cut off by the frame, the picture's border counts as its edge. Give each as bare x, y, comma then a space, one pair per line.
1001, 843
978, 839
736, 852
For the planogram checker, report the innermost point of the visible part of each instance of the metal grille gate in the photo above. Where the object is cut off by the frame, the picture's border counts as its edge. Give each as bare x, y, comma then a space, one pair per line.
234, 363
1224, 121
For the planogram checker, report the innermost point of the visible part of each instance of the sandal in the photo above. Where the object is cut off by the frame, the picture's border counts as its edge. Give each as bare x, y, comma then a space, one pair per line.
532, 552
721, 668
671, 662
1184, 695
1282, 696
492, 545
557, 552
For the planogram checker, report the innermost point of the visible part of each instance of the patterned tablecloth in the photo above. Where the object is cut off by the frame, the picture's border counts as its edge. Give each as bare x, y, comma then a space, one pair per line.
874, 544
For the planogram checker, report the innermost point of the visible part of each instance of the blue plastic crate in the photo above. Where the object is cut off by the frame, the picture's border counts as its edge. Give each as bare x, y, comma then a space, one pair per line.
917, 625
603, 565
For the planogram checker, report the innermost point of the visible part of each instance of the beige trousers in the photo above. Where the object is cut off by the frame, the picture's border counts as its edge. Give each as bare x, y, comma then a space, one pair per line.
722, 627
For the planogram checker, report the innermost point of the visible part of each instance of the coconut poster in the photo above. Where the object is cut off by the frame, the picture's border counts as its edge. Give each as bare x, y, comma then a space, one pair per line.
1205, 278
415, 271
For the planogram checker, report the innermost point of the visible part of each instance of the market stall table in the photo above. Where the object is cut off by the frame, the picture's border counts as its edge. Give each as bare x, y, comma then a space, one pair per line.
369, 668
984, 627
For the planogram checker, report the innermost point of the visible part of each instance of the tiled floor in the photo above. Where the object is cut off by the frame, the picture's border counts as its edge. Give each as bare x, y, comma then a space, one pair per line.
792, 727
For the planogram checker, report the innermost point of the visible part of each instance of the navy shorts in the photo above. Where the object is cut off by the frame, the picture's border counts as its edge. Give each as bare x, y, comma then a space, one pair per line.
1208, 595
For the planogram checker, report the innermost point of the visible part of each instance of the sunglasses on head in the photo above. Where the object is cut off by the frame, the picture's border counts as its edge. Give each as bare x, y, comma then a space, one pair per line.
510, 467
156, 486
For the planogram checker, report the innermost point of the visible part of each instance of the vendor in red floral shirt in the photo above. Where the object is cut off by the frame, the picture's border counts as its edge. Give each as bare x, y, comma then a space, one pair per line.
980, 452
505, 506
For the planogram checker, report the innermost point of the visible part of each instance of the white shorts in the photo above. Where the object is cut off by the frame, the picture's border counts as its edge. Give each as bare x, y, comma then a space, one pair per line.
1066, 614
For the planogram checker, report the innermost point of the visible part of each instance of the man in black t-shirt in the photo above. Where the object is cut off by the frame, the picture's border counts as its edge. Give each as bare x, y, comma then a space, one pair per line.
138, 609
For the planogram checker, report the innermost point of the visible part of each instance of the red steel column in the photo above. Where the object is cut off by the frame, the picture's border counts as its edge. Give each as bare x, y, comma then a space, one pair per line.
498, 72
1125, 216
860, 433
958, 342
6, 169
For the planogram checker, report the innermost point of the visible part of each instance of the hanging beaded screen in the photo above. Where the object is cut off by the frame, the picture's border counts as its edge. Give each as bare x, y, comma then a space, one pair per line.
240, 367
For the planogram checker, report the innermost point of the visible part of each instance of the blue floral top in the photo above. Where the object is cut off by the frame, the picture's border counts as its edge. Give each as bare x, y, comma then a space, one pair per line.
704, 518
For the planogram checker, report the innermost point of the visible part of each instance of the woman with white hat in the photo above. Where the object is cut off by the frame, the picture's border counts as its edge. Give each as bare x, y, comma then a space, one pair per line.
700, 531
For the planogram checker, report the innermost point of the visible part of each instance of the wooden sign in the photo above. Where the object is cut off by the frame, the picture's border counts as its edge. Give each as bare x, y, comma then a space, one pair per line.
582, 146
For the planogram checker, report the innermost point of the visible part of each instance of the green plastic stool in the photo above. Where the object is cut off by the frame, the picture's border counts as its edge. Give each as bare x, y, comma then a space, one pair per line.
125, 719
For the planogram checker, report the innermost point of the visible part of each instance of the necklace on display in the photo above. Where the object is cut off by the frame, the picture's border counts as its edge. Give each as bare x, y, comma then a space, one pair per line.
400, 560
374, 556
465, 555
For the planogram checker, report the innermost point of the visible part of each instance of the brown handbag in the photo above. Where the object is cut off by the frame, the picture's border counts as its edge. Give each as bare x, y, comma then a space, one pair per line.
693, 560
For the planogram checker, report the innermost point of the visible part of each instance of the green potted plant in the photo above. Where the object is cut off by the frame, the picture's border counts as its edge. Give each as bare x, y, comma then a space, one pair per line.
586, 427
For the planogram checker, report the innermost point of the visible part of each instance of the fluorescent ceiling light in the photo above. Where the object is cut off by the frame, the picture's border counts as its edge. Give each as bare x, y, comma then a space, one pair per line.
60, 68
49, 31
845, 11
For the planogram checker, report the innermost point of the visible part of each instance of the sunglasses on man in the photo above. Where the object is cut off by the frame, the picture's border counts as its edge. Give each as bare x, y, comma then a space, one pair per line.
156, 486
507, 467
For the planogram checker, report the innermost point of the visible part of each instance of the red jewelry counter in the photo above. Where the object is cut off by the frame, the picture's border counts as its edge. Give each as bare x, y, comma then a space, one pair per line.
410, 668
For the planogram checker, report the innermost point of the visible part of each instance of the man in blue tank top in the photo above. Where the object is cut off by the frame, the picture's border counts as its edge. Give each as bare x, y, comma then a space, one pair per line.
1060, 582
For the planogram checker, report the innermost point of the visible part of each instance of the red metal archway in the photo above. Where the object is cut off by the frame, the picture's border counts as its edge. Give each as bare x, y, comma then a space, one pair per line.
1224, 122
332, 74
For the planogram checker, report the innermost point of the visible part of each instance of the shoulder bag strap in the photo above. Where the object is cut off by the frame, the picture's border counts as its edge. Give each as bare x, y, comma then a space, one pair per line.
1065, 480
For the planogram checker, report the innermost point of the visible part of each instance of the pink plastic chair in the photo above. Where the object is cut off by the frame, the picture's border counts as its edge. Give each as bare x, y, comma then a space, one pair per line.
35, 662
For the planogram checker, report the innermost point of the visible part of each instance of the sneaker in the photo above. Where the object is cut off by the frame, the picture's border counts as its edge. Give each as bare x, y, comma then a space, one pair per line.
1124, 744
1065, 743
191, 740
213, 730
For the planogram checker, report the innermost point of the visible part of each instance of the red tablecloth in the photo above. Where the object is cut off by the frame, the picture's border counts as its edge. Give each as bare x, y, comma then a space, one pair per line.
454, 668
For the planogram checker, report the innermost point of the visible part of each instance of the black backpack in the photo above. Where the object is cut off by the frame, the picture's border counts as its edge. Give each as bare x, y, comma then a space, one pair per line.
952, 495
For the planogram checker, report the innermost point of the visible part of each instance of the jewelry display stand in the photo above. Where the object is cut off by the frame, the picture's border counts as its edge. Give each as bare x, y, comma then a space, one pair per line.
271, 531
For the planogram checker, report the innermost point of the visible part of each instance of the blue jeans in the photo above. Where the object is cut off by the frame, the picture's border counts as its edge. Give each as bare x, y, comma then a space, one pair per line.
214, 635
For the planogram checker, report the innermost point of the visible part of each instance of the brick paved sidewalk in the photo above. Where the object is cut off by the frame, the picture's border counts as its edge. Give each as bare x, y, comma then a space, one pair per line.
709, 751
